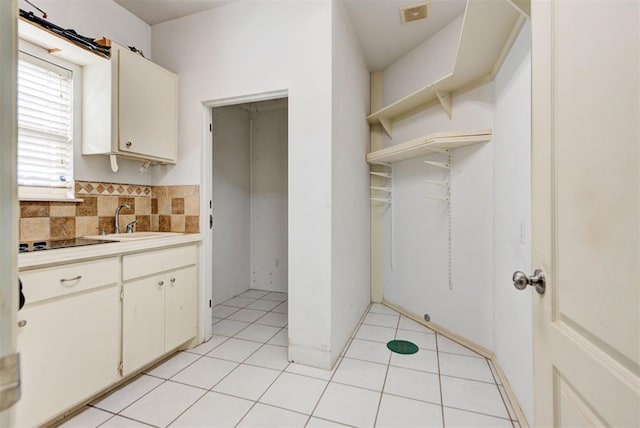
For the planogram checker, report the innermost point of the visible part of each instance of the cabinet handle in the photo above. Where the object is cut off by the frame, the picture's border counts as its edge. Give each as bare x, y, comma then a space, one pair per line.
71, 279
172, 280
161, 283
22, 323
129, 144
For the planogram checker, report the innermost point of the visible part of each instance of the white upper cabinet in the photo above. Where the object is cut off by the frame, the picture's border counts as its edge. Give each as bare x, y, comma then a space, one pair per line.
130, 108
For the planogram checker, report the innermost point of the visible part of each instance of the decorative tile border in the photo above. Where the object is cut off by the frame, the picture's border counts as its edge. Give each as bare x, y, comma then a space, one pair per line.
93, 188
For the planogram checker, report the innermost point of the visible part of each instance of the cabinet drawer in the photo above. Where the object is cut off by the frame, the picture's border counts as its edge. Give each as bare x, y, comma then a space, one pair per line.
153, 262
46, 283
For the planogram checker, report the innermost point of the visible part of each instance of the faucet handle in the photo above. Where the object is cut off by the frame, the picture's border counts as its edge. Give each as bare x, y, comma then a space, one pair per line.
131, 225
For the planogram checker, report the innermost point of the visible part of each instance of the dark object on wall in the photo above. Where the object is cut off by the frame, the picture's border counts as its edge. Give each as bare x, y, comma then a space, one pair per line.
22, 300
85, 42
136, 50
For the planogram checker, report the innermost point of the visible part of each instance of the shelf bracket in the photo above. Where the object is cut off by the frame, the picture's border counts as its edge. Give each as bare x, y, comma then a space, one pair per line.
439, 198
438, 183
446, 102
386, 125
144, 166
114, 163
380, 174
438, 150
386, 201
383, 189
386, 164
442, 165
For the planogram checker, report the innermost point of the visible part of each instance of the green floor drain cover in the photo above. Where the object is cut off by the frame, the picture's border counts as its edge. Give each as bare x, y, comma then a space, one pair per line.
402, 347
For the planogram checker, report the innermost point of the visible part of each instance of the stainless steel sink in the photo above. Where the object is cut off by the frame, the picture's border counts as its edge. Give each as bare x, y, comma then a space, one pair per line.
135, 236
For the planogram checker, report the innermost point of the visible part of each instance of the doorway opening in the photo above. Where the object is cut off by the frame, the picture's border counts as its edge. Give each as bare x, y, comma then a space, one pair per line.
250, 202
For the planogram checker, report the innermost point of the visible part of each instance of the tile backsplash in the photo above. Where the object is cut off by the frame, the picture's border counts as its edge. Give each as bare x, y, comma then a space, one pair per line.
155, 208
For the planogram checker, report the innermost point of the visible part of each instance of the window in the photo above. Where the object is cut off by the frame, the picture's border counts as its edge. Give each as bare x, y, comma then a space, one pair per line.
45, 129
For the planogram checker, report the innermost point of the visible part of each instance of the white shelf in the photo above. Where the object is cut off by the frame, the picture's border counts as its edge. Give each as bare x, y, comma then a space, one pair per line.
56, 45
434, 143
488, 32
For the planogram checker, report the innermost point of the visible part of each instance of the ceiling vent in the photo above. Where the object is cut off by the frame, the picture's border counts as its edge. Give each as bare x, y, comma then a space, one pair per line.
415, 13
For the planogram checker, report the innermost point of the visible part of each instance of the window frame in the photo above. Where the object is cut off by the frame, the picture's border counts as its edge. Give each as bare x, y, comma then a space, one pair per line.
32, 193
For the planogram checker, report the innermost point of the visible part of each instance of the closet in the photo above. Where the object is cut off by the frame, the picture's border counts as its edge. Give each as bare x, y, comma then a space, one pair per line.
250, 198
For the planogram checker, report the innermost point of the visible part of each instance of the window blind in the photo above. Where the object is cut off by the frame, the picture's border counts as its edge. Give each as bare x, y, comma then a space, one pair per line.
45, 127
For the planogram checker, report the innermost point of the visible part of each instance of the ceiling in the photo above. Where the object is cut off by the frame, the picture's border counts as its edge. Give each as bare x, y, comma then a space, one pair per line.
377, 23
157, 11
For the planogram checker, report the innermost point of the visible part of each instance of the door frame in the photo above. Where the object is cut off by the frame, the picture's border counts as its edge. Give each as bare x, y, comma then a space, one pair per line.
206, 195
8, 192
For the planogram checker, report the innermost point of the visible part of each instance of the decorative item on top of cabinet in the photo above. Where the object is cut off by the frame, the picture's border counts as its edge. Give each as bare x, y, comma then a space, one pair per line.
130, 109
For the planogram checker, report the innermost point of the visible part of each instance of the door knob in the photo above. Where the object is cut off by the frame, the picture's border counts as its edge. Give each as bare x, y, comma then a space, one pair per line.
538, 280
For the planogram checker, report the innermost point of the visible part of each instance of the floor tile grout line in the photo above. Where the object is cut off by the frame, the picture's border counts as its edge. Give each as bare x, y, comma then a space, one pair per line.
263, 392
386, 374
267, 341
164, 380
125, 417
329, 420
510, 408
239, 364
479, 413
335, 370
440, 384
504, 402
204, 393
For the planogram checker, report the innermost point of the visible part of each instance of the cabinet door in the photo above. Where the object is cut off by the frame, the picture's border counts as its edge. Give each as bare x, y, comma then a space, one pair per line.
180, 306
142, 322
147, 108
69, 349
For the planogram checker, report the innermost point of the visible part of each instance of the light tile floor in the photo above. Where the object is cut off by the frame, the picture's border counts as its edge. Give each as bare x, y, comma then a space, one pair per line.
241, 378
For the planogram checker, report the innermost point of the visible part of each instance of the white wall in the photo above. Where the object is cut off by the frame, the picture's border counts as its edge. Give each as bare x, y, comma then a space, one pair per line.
512, 208
97, 19
231, 202
251, 48
269, 237
350, 230
416, 238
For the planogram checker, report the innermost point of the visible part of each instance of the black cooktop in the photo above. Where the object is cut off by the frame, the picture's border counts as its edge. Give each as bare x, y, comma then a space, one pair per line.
25, 247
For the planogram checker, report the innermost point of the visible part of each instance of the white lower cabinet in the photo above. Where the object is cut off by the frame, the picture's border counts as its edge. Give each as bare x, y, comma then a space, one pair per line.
68, 337
142, 322
180, 301
86, 325
159, 309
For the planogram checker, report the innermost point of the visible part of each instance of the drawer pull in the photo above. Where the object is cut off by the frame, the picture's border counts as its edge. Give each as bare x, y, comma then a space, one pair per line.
172, 280
71, 279
161, 283
22, 323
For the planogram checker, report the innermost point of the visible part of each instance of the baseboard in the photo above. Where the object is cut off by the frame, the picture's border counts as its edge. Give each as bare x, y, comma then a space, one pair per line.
490, 355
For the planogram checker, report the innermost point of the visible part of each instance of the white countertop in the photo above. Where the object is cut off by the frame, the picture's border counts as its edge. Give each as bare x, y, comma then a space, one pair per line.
74, 254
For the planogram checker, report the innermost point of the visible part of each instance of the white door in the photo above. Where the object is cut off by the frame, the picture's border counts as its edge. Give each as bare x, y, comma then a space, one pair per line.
8, 210
586, 211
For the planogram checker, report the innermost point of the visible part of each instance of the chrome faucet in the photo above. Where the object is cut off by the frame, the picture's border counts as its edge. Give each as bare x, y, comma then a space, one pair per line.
131, 226
117, 216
